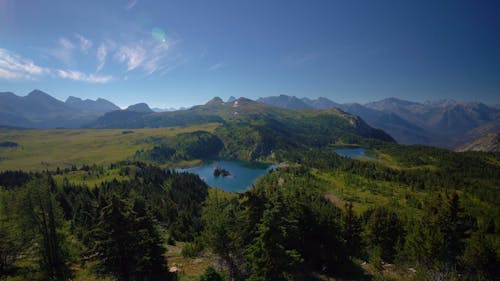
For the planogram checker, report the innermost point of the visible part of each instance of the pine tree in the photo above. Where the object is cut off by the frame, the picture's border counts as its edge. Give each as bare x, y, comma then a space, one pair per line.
128, 244
42, 218
270, 256
223, 233
115, 240
352, 231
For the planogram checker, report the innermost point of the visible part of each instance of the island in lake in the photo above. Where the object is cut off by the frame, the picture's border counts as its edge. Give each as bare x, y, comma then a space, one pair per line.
221, 172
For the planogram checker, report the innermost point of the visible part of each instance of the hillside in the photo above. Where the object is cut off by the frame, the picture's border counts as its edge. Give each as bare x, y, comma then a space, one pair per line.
252, 130
486, 143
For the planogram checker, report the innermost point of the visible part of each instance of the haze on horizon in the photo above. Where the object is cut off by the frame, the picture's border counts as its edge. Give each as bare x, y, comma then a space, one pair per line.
181, 53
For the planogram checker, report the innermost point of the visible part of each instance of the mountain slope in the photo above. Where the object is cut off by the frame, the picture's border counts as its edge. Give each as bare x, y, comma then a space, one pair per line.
252, 130
486, 143
140, 107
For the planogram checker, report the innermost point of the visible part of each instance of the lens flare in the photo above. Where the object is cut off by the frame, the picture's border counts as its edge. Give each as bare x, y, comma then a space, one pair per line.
159, 35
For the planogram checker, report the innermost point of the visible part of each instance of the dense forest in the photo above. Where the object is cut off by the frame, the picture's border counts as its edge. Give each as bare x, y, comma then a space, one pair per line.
286, 227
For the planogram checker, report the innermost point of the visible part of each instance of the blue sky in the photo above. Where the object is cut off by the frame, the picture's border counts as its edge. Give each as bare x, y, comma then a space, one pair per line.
184, 52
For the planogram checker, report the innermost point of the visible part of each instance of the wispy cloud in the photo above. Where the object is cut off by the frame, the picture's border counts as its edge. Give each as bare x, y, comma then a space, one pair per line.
13, 66
217, 66
85, 43
63, 51
133, 56
131, 4
79, 76
102, 52
65, 43
149, 56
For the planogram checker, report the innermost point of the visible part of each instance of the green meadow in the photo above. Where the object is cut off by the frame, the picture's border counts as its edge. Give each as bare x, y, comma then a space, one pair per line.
39, 150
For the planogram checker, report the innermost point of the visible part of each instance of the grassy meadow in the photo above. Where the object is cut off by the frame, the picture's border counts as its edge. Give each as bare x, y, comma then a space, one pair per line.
39, 150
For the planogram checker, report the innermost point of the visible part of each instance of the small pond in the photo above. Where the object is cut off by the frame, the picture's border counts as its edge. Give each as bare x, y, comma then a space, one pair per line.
241, 174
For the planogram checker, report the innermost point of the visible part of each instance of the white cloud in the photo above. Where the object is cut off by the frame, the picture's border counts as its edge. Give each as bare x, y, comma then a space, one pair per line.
217, 66
13, 66
85, 44
79, 76
148, 56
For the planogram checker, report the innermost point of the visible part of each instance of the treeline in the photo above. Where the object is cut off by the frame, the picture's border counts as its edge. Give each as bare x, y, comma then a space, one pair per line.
189, 146
119, 226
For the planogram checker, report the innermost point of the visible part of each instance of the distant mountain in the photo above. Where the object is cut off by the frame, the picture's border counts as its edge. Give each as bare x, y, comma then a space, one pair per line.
99, 106
40, 110
486, 143
231, 99
287, 102
444, 123
451, 123
140, 107
320, 103
157, 109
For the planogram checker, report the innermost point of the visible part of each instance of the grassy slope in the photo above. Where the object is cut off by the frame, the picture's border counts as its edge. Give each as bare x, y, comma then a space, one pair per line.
48, 149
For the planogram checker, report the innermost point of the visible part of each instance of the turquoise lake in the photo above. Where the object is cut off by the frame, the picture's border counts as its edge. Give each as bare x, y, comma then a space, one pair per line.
243, 174
353, 152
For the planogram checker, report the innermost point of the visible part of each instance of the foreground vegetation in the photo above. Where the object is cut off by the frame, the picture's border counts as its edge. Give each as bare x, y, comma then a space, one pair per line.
318, 219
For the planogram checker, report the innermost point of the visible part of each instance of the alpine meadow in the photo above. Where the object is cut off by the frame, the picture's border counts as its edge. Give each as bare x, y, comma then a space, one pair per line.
249, 140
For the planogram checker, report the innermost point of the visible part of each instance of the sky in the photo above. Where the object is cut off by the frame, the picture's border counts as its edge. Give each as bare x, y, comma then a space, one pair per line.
184, 52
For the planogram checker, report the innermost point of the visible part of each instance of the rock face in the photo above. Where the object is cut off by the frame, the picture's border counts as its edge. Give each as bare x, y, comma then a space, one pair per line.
487, 143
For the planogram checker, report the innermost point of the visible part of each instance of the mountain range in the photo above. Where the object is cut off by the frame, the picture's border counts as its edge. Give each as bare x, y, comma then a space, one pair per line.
445, 123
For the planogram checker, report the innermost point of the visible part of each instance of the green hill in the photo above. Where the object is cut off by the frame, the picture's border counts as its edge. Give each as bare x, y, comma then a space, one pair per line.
252, 130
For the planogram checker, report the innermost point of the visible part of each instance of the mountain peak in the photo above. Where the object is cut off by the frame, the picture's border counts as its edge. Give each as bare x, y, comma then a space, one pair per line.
38, 93
140, 107
72, 99
215, 101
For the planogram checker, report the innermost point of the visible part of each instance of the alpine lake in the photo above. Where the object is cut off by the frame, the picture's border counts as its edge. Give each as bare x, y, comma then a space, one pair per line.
353, 152
241, 174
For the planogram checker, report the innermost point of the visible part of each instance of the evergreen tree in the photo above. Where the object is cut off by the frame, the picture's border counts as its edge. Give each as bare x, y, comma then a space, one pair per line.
270, 255
352, 231
149, 250
115, 241
384, 230
42, 218
223, 233
128, 244
12, 239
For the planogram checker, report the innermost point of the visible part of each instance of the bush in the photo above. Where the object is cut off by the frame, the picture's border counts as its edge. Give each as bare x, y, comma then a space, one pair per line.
211, 274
